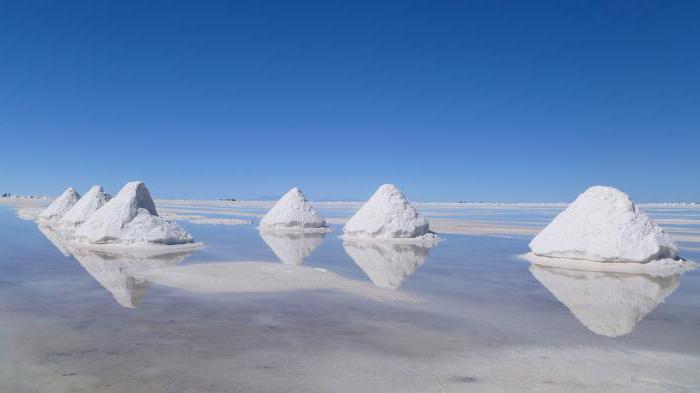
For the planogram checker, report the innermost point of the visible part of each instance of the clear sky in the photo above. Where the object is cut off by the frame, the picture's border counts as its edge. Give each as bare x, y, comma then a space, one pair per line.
463, 100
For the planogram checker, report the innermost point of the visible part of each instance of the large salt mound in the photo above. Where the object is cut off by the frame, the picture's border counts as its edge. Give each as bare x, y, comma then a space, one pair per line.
92, 200
387, 215
60, 206
292, 211
131, 218
604, 225
608, 304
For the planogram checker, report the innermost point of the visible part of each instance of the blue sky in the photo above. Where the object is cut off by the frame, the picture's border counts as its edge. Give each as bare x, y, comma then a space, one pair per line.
463, 100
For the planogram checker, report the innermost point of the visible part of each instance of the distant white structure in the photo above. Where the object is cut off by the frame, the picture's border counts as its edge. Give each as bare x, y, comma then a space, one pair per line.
604, 225
131, 218
388, 215
92, 200
608, 304
292, 248
293, 212
59, 207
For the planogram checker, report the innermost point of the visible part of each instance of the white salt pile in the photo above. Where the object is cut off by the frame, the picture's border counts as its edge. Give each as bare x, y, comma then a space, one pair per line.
604, 225
388, 265
292, 248
131, 218
59, 207
293, 212
92, 200
388, 216
608, 304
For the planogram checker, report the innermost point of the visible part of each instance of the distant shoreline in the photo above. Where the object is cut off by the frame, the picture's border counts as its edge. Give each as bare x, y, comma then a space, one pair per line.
356, 204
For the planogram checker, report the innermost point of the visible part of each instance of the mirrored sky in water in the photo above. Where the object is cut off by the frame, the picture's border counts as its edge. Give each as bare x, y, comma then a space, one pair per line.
283, 312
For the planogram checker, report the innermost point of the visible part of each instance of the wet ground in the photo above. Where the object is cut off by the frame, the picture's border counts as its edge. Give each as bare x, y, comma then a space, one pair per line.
252, 313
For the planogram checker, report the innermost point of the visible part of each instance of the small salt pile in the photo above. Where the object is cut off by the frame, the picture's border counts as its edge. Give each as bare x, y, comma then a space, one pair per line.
388, 215
92, 200
293, 212
59, 207
604, 225
131, 218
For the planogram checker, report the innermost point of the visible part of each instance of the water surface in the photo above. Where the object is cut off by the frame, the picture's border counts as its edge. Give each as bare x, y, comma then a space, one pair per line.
465, 315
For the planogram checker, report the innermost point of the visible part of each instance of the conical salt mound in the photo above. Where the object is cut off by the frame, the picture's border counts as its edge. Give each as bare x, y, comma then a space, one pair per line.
131, 218
88, 204
604, 225
292, 248
292, 211
387, 215
608, 304
387, 265
60, 206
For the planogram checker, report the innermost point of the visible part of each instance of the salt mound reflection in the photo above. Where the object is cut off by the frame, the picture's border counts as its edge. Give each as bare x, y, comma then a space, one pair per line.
292, 247
387, 264
56, 238
608, 304
117, 271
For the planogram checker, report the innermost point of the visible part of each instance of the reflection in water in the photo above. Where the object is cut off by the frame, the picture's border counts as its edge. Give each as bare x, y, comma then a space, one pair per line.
292, 248
263, 277
117, 272
608, 304
388, 265
56, 238
28, 213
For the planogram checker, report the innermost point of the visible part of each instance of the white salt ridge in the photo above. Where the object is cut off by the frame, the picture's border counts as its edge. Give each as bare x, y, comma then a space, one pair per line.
131, 218
388, 265
220, 221
388, 215
293, 212
604, 225
292, 248
608, 304
60, 206
265, 277
658, 267
92, 200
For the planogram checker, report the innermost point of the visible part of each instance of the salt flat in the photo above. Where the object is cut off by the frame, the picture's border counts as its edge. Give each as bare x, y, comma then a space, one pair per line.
464, 315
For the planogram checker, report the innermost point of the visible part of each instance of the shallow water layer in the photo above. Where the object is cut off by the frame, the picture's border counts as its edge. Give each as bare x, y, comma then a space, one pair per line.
252, 313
